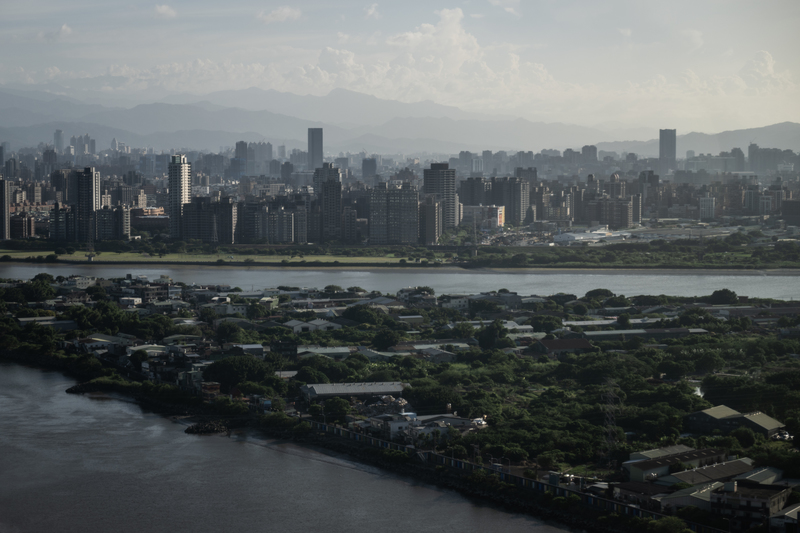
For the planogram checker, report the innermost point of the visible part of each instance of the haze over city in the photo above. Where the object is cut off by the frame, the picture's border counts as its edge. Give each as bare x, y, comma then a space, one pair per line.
618, 66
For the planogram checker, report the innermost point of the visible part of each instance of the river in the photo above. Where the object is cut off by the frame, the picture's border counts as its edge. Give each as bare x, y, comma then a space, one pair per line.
73, 463
762, 284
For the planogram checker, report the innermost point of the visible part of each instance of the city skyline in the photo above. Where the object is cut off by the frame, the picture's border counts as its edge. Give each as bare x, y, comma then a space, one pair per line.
688, 65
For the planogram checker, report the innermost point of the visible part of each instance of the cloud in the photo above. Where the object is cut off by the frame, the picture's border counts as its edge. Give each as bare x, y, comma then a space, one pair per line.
477, 15
442, 61
626, 32
695, 39
165, 12
59, 34
509, 6
281, 14
372, 11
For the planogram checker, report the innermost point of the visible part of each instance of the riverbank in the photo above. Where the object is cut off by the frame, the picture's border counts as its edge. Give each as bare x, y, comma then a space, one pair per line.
354, 266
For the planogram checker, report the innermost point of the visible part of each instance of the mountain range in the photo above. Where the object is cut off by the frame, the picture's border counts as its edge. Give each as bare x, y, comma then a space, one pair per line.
351, 121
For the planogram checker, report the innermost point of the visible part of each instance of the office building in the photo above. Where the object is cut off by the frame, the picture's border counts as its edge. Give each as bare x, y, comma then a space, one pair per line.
667, 150
440, 180
180, 179
58, 141
315, 152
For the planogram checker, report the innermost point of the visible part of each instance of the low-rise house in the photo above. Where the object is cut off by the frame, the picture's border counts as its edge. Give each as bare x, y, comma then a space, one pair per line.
657, 334
696, 496
556, 348
748, 505
785, 520
253, 349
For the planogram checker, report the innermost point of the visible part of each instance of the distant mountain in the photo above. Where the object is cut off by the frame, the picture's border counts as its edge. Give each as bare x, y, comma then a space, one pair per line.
179, 139
785, 136
407, 128
339, 106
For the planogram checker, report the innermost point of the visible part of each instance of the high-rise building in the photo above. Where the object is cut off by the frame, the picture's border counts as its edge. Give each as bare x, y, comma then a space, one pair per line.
331, 204
475, 191
369, 168
326, 172
88, 193
394, 215
440, 180
58, 141
5, 210
180, 179
210, 221
667, 150
315, 152
239, 161
589, 154
514, 194
431, 215
113, 223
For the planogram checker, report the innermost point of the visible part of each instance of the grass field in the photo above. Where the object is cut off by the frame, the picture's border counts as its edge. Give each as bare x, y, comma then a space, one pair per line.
208, 258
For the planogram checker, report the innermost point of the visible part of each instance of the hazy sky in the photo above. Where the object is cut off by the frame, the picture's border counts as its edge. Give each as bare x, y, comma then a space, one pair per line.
705, 65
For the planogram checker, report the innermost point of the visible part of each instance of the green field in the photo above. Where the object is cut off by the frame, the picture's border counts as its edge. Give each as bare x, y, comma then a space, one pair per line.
207, 258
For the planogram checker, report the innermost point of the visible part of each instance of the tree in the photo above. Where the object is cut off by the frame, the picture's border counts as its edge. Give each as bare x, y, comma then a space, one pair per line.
137, 358
332, 289
723, 297
668, 524
624, 321
598, 294
463, 330
228, 332
386, 338
336, 409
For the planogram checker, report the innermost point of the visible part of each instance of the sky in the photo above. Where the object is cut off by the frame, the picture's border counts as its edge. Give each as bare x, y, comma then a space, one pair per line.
694, 65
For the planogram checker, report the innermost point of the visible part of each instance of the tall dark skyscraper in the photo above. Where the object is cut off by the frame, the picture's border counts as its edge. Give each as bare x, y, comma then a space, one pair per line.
5, 211
369, 167
440, 180
58, 141
88, 203
667, 150
315, 152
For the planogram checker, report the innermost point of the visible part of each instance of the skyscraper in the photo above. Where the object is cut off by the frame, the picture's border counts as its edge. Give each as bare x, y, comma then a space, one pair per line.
5, 211
239, 161
58, 141
315, 152
667, 150
180, 174
88, 192
440, 180
369, 168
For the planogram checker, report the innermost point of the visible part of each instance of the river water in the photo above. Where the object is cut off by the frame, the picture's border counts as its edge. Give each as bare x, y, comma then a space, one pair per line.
73, 463
766, 284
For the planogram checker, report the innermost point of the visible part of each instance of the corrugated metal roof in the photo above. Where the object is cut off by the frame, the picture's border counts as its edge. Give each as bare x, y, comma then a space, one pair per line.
344, 389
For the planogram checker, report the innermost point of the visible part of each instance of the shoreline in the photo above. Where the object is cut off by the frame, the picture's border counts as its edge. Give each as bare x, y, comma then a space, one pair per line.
427, 269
